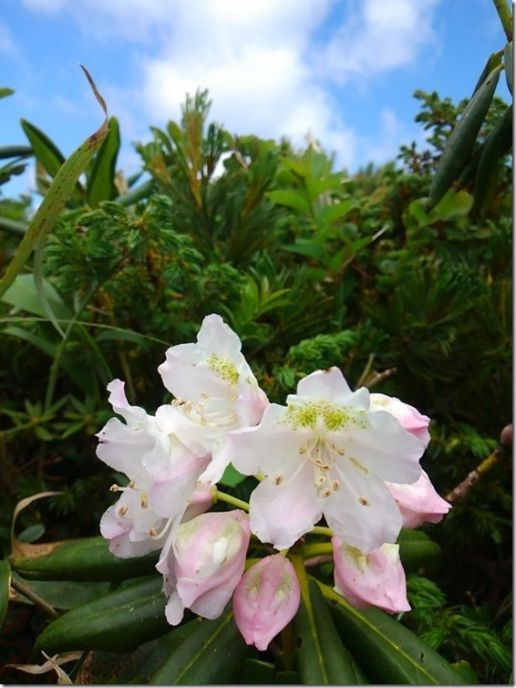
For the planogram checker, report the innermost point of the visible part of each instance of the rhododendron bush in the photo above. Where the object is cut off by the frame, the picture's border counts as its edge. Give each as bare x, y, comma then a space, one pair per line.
290, 579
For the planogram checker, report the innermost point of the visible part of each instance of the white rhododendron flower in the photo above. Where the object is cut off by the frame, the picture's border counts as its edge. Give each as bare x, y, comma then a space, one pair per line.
215, 391
326, 453
419, 502
266, 599
204, 564
162, 474
375, 579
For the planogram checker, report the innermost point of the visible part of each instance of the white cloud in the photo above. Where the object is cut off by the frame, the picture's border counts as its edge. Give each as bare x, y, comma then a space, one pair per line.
261, 60
7, 44
376, 36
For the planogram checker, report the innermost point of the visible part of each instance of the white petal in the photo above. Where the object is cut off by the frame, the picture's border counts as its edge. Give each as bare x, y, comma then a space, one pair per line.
362, 512
281, 514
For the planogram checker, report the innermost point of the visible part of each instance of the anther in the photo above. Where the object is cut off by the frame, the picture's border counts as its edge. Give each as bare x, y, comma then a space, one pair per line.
123, 510
363, 501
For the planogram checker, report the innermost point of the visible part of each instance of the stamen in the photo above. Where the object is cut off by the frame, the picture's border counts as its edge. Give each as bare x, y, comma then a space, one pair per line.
115, 488
336, 485
123, 510
364, 501
278, 479
144, 503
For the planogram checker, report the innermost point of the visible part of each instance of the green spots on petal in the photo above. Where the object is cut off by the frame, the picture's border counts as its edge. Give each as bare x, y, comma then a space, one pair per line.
334, 417
224, 368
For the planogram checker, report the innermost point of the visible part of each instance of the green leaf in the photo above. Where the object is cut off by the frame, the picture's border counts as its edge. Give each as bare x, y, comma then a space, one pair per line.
63, 594
321, 658
509, 66
34, 339
5, 91
452, 206
212, 653
54, 201
459, 147
291, 199
23, 294
389, 650
45, 150
88, 559
231, 477
101, 181
417, 550
135, 667
118, 621
5, 582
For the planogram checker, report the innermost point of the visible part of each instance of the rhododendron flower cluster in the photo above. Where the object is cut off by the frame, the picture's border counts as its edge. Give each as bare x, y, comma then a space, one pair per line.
332, 462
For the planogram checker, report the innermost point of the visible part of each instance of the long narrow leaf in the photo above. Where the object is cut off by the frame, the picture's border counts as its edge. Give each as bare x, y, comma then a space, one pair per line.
101, 182
54, 201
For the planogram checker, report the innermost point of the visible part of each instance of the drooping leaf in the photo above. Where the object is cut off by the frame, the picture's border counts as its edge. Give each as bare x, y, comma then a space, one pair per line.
88, 559
391, 653
118, 621
211, 654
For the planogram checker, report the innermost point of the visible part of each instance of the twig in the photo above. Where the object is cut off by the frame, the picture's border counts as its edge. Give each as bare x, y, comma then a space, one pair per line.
38, 601
472, 478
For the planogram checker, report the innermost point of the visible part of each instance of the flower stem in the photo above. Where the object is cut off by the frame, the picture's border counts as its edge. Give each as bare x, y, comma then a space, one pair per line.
36, 599
308, 551
229, 499
322, 530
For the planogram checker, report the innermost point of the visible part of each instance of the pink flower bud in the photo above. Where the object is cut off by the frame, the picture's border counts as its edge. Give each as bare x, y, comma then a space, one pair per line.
205, 563
419, 502
409, 418
266, 600
376, 579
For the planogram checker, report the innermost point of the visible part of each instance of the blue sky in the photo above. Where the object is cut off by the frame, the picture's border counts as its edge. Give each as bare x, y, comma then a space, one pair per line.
345, 70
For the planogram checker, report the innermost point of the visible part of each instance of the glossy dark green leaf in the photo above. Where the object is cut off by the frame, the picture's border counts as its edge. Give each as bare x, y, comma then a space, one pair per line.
321, 657
101, 180
508, 63
212, 653
118, 621
256, 672
88, 559
417, 550
64, 594
460, 145
5, 582
387, 650
135, 667
494, 148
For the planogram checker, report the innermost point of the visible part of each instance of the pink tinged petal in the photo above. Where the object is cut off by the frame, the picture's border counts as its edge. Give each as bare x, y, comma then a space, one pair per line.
384, 447
122, 447
281, 512
131, 414
200, 501
419, 502
409, 417
362, 512
208, 560
376, 579
266, 599
118, 531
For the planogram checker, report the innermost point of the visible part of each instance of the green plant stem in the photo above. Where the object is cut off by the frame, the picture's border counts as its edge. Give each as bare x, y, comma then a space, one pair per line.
321, 530
315, 550
229, 499
38, 601
505, 14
